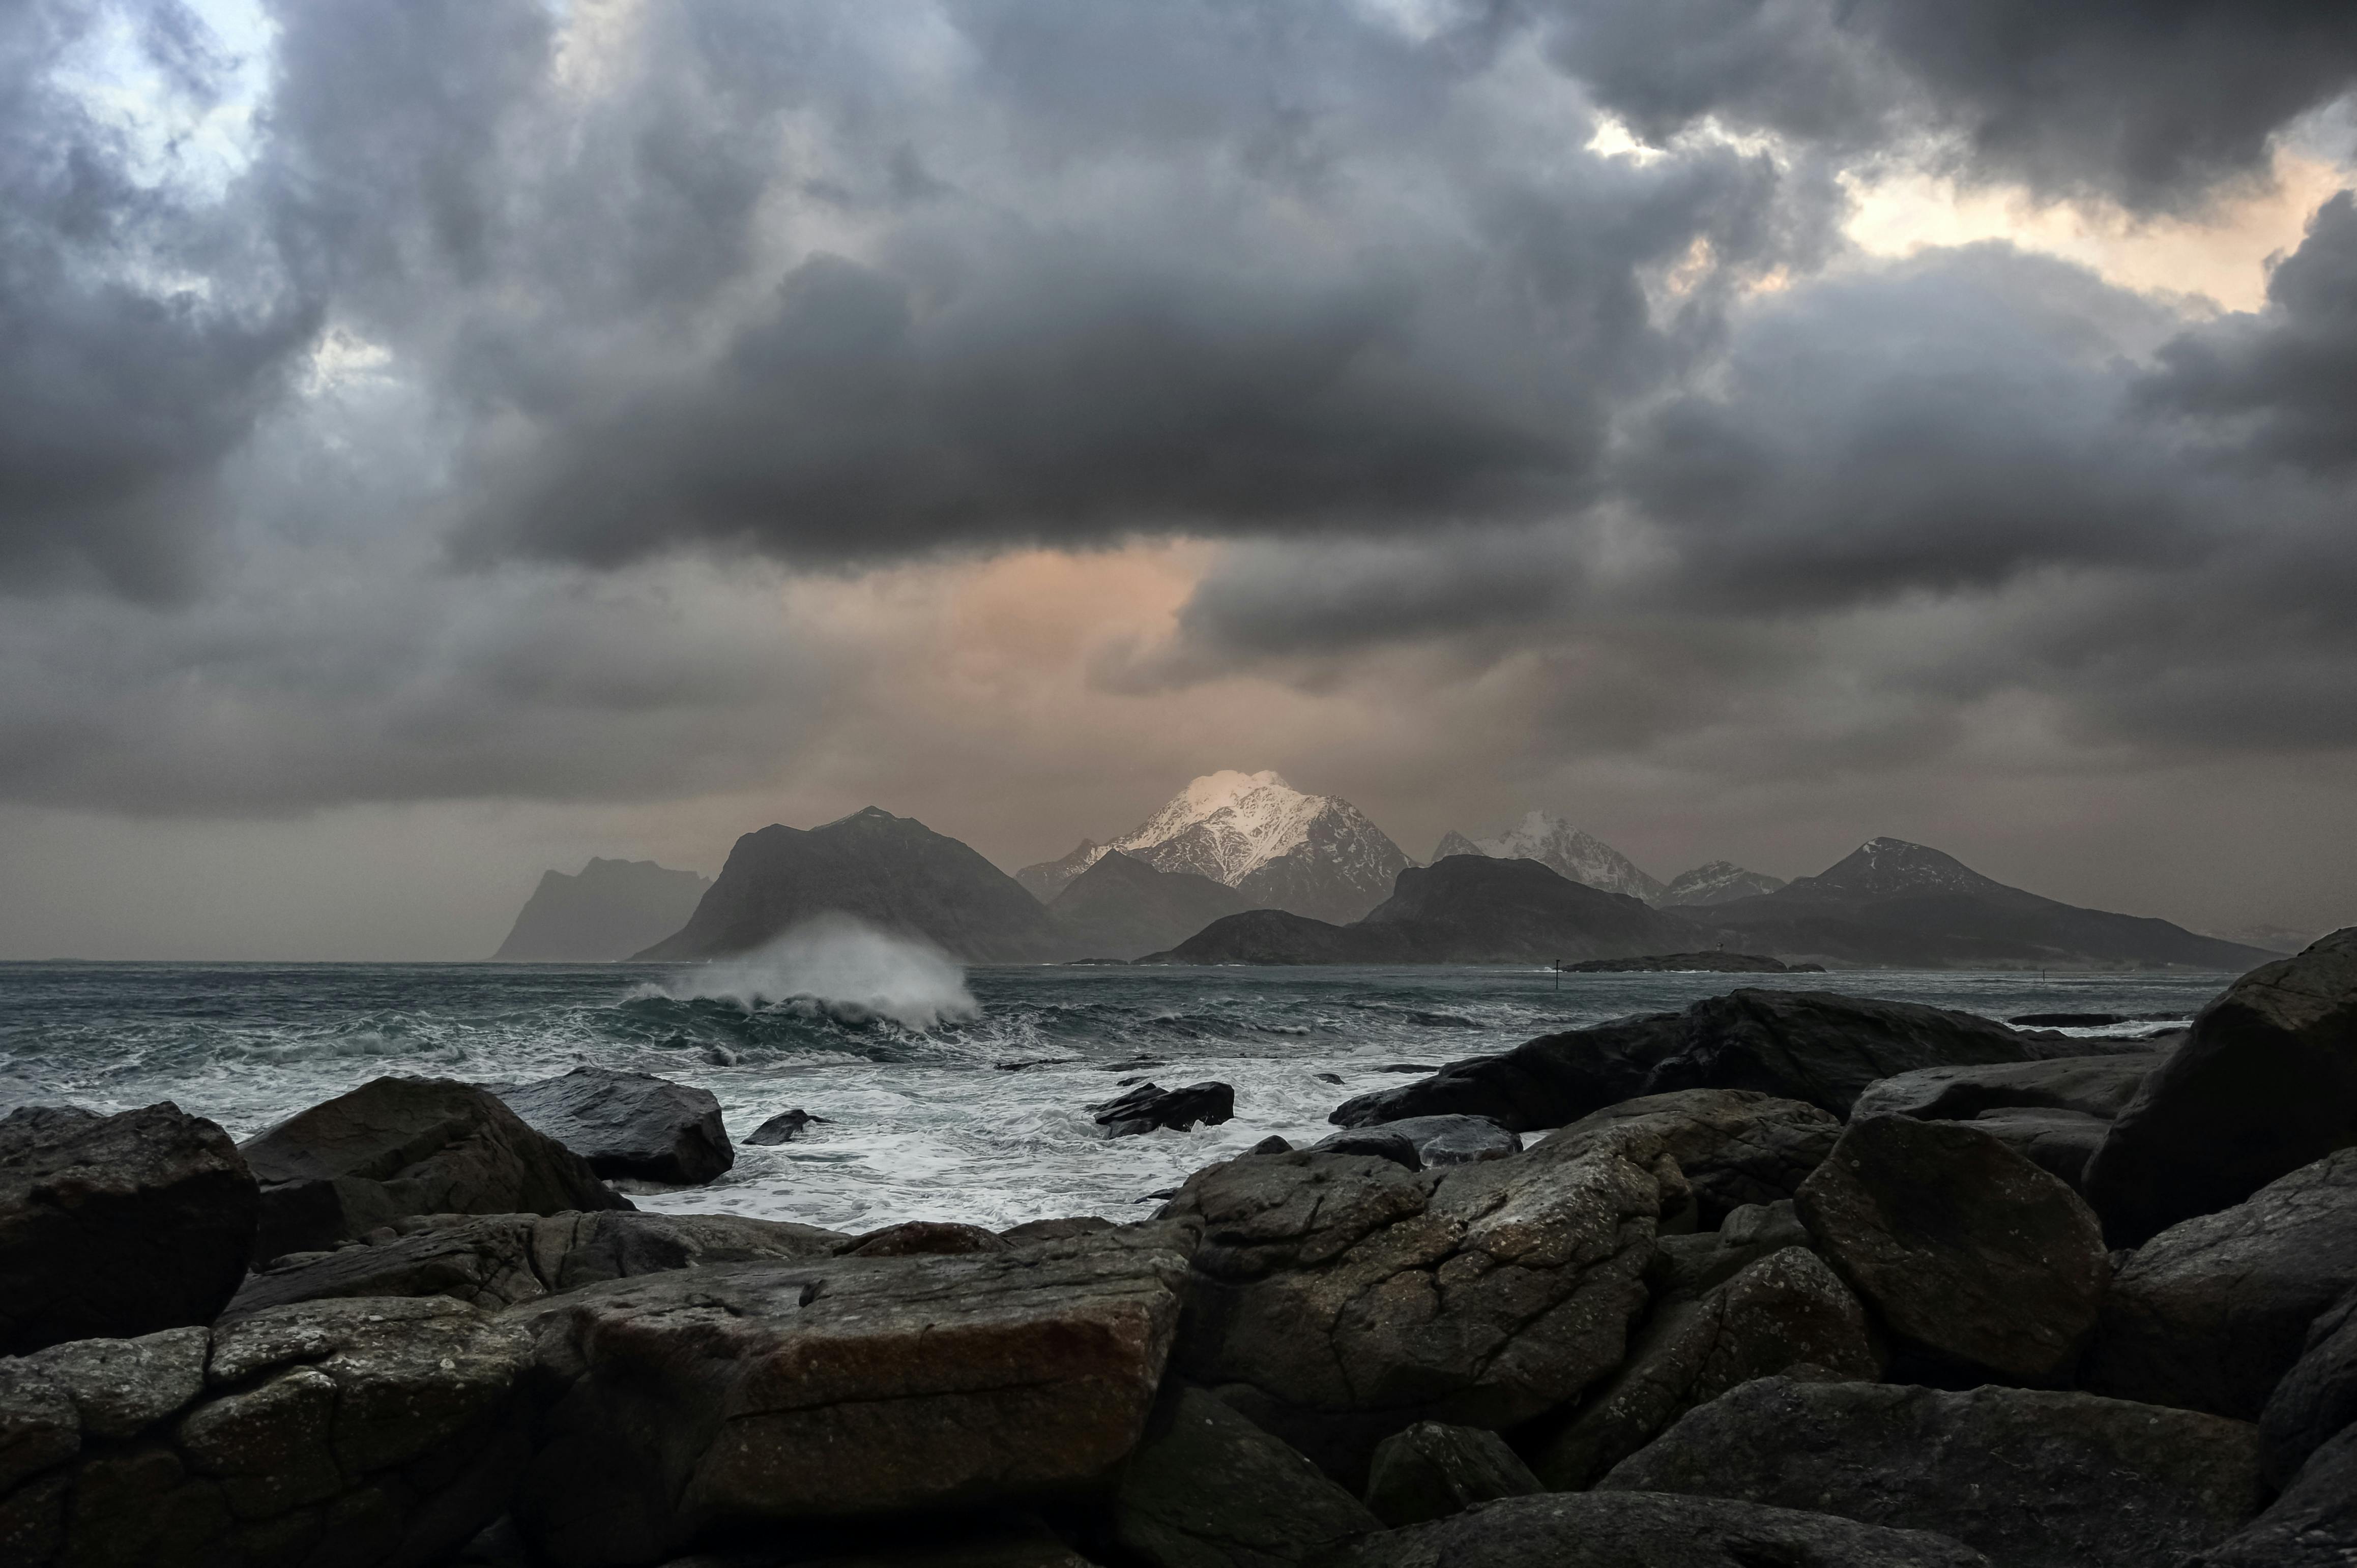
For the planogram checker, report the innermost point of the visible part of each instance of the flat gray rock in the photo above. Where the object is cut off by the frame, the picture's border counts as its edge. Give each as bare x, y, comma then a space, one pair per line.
1633, 1530
723, 1397
2061, 1142
2212, 1312
505, 1259
1734, 1147
2033, 1477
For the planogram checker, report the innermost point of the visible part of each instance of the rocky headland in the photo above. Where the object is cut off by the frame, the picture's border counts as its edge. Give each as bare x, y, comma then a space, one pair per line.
1782, 1278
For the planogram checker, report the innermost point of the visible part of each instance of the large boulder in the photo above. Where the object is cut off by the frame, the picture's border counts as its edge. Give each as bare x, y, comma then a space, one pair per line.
1432, 1470
1436, 1139
114, 1226
2318, 1398
1785, 1311
1541, 1083
2035, 1479
1735, 1146
401, 1146
1148, 1107
2095, 1086
1823, 1047
1796, 1044
2212, 1312
1207, 1489
2061, 1142
505, 1259
1978, 1262
2312, 1525
629, 1124
1632, 1530
725, 1398
2265, 1083
333, 1434
1338, 1298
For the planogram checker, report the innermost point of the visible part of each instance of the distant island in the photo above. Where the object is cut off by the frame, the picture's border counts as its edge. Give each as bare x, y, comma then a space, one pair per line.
1679, 962
609, 911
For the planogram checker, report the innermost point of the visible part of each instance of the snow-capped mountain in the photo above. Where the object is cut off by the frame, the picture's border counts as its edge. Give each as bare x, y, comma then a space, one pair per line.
1554, 842
1715, 883
1311, 854
1046, 878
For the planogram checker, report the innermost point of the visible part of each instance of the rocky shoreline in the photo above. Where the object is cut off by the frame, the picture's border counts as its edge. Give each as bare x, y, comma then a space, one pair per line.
1783, 1278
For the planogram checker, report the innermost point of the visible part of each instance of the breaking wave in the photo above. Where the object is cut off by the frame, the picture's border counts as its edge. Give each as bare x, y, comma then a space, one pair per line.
845, 968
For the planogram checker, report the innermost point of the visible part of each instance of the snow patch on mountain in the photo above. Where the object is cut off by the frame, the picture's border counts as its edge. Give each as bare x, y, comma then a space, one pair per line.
1715, 882
1555, 843
1312, 855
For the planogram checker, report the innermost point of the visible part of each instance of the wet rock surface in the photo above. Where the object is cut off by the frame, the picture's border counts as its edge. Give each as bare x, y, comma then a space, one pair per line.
398, 1147
1207, 1489
2035, 1479
2264, 1083
1146, 1107
1734, 1147
629, 1124
783, 1128
117, 1225
2212, 1312
1977, 1263
686, 1404
1432, 1470
1786, 1310
331, 1434
1437, 1140
505, 1259
1338, 1299
2096, 1086
1633, 1530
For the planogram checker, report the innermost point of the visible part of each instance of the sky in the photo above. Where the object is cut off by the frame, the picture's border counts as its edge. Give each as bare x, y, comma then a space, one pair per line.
445, 441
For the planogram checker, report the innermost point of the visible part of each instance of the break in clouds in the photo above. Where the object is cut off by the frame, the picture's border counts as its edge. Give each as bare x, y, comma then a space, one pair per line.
437, 401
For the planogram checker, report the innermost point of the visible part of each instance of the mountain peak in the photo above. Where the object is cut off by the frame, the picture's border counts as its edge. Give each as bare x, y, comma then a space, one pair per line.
1557, 844
1715, 882
1313, 854
1882, 866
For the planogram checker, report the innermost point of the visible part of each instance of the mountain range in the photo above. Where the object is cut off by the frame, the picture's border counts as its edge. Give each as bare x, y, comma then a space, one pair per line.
1279, 849
1463, 909
1243, 868
610, 910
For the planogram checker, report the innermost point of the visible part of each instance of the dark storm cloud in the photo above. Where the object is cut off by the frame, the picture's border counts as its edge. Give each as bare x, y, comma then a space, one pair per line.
2150, 102
141, 335
2284, 381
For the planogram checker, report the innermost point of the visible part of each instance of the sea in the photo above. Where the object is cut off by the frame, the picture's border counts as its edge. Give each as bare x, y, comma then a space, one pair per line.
945, 1093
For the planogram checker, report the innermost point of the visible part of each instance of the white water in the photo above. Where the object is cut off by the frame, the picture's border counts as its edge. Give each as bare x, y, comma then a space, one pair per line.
844, 967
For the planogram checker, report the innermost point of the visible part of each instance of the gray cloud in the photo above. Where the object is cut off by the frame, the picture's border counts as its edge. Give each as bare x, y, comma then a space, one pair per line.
2150, 104
142, 333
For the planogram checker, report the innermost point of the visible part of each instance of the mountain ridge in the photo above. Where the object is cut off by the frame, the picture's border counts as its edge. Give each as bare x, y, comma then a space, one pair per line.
1554, 842
1316, 855
607, 910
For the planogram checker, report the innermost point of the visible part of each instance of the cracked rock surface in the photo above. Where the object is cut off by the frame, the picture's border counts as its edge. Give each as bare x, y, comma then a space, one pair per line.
680, 1404
355, 1434
1338, 1298
2034, 1478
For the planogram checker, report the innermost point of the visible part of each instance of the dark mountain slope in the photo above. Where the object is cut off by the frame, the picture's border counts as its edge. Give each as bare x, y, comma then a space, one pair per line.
892, 872
1121, 907
1891, 902
1467, 909
609, 911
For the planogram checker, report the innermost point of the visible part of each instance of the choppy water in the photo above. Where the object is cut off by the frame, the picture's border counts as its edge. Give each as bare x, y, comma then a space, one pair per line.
980, 1118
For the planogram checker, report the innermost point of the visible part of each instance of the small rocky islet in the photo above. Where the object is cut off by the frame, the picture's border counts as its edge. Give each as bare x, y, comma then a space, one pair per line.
1782, 1278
